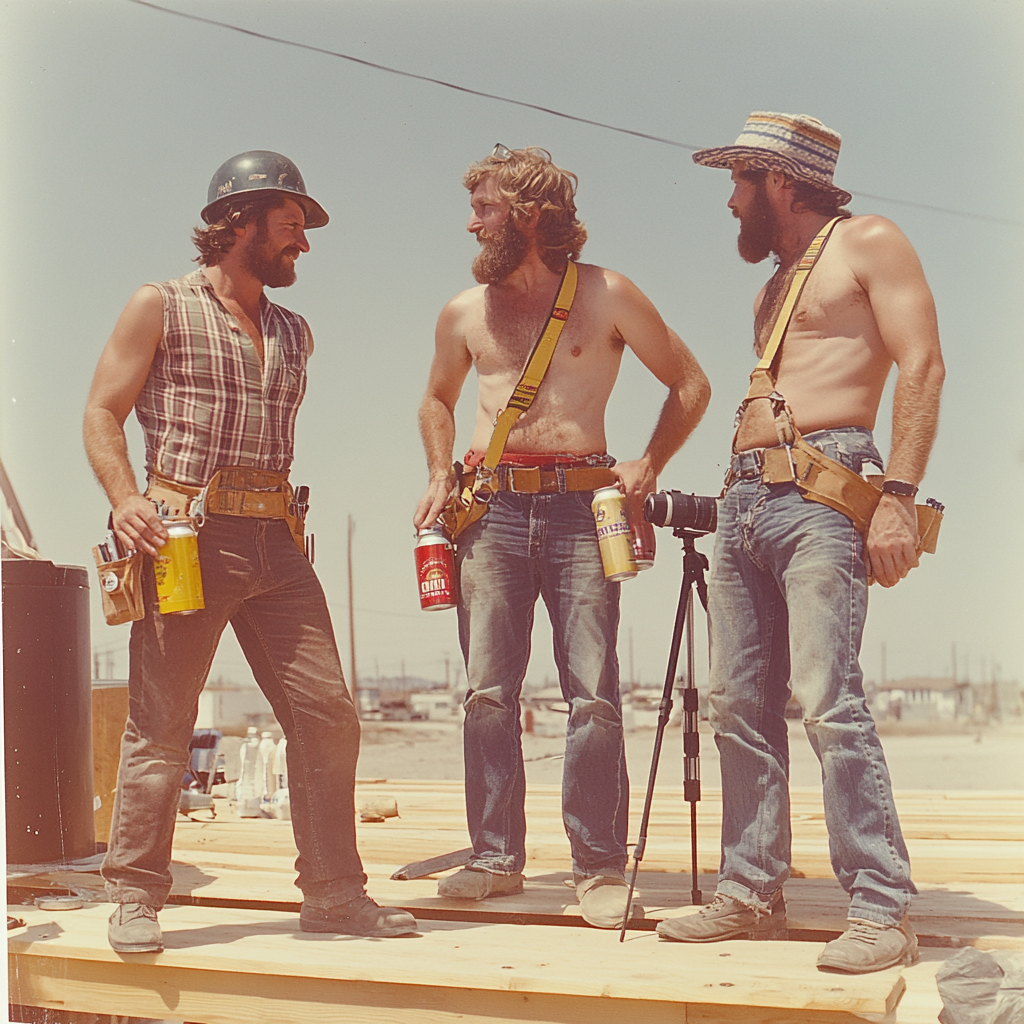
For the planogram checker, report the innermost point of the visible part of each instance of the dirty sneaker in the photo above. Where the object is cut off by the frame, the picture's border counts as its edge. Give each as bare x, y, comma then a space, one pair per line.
727, 918
358, 916
602, 901
474, 884
866, 946
134, 928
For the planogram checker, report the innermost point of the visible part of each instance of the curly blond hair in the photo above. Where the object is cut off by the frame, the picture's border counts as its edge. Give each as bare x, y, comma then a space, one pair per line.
527, 180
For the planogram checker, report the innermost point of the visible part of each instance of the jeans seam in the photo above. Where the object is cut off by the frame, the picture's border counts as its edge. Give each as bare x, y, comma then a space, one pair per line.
283, 690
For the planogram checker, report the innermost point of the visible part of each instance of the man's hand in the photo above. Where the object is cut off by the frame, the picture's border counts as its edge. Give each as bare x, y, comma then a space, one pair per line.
438, 490
891, 549
138, 526
636, 480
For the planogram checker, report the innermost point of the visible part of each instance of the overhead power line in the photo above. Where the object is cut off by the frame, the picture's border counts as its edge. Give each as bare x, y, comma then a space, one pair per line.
522, 103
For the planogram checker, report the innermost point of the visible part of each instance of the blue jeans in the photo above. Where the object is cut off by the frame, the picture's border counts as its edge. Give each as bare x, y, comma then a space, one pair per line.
529, 545
255, 577
787, 603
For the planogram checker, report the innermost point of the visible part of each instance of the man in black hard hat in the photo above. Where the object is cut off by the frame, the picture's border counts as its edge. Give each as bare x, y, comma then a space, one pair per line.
216, 372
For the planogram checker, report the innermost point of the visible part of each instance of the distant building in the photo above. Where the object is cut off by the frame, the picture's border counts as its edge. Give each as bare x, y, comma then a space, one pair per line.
932, 699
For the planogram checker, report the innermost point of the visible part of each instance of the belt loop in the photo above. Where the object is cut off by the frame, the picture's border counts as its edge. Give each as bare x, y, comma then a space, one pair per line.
503, 478
560, 473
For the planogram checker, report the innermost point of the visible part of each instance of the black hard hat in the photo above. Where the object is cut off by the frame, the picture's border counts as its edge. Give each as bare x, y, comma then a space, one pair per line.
260, 169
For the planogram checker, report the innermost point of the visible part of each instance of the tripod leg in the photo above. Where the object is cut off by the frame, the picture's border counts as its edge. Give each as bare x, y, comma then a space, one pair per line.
665, 710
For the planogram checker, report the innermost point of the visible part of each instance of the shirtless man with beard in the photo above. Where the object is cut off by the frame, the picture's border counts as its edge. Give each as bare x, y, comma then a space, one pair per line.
538, 538
788, 588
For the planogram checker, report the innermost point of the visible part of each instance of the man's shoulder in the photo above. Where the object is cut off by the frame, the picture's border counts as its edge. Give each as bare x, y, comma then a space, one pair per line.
868, 230
465, 301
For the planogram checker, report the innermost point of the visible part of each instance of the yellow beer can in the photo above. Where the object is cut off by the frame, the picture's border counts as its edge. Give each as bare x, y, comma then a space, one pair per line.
179, 583
614, 534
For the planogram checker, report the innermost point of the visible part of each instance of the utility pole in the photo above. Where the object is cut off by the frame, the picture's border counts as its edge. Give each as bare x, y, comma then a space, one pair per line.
353, 678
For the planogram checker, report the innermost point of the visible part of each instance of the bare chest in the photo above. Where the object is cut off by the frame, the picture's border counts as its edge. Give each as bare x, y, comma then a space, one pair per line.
832, 305
501, 337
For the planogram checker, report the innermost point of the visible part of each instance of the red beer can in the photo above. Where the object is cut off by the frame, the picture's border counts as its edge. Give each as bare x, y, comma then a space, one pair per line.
435, 569
643, 544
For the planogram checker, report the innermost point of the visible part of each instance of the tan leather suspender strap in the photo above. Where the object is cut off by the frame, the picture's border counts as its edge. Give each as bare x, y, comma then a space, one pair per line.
536, 367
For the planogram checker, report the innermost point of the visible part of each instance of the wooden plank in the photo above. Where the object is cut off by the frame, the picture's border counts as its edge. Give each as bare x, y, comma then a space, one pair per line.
64, 960
109, 713
432, 823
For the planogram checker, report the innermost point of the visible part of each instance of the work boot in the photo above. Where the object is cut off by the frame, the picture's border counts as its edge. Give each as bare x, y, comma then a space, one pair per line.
358, 916
727, 918
476, 884
602, 901
134, 928
867, 946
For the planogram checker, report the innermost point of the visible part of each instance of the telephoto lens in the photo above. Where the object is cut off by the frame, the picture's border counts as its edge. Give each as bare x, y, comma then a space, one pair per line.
682, 511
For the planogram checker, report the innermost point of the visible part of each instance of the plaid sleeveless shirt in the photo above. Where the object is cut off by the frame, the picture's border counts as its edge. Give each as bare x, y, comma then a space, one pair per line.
208, 402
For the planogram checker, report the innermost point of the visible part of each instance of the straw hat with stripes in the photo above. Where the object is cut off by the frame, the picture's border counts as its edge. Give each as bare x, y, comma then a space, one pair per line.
799, 145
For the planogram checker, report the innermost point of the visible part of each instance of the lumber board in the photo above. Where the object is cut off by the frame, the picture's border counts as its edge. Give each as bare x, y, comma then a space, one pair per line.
950, 916
109, 713
970, 837
218, 962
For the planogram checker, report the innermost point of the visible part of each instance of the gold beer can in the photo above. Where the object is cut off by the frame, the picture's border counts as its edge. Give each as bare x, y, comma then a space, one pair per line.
179, 584
614, 535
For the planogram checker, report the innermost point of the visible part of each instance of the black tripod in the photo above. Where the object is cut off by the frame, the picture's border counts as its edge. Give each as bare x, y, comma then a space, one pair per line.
694, 564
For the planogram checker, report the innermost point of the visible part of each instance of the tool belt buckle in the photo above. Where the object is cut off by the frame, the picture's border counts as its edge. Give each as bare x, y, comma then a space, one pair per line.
484, 484
777, 465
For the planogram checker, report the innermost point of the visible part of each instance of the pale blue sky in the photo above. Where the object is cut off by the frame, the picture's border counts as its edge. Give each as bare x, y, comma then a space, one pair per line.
115, 117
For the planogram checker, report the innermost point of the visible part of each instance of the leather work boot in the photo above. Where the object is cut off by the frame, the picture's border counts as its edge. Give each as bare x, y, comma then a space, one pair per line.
866, 946
358, 916
602, 901
727, 918
474, 884
134, 928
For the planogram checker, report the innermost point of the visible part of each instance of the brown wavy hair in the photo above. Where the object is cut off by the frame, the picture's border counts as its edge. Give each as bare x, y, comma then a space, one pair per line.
528, 180
216, 240
805, 193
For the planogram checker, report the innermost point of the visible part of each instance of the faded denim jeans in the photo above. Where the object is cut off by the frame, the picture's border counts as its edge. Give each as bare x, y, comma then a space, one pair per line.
529, 545
256, 578
787, 603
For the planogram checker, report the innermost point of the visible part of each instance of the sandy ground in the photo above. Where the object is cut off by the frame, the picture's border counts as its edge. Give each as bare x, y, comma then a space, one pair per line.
988, 757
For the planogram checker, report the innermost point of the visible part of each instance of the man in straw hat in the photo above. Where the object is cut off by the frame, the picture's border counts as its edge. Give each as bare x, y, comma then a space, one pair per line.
788, 589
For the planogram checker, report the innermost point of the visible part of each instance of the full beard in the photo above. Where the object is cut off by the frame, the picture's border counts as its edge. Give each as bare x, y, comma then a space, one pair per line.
274, 270
500, 255
758, 229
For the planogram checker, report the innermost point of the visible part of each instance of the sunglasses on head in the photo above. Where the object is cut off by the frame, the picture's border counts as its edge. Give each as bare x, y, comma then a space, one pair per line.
500, 152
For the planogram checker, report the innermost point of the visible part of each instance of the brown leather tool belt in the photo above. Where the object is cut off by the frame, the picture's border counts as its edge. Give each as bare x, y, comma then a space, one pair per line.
232, 491
549, 480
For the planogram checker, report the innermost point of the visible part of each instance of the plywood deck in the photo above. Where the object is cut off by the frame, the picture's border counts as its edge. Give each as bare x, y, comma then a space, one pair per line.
230, 965
234, 948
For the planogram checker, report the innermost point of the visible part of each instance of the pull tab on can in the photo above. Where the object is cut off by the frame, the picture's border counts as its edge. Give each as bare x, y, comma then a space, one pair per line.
614, 534
179, 583
435, 570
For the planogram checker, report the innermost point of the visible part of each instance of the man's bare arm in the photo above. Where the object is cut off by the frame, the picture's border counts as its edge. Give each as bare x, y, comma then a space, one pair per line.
662, 351
120, 375
448, 371
890, 272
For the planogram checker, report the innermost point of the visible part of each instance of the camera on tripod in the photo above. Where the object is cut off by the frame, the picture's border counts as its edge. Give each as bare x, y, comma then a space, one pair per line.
693, 512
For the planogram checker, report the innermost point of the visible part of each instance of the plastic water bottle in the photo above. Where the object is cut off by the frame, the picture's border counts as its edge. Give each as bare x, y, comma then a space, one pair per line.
265, 769
280, 806
281, 765
248, 788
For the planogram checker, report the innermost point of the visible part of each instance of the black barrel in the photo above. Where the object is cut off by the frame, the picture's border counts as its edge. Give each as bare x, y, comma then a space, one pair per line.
47, 712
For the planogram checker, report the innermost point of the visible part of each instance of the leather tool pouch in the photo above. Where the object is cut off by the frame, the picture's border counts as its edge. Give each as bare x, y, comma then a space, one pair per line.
821, 479
121, 588
463, 507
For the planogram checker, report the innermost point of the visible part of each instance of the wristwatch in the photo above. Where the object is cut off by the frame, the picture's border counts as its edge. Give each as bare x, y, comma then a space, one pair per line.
900, 488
